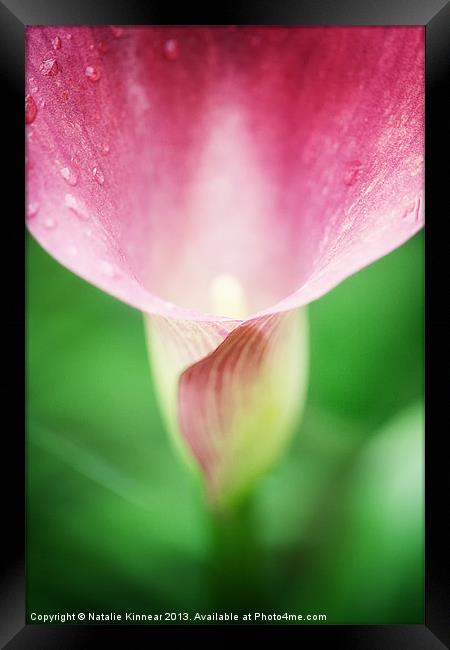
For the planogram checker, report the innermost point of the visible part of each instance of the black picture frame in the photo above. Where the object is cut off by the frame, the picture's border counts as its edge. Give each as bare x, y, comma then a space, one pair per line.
15, 15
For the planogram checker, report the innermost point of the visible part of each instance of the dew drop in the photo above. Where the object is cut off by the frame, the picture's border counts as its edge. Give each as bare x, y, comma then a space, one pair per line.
71, 201
49, 223
30, 109
105, 149
72, 204
412, 212
98, 175
353, 173
69, 175
171, 49
56, 42
49, 67
91, 47
32, 209
107, 269
92, 73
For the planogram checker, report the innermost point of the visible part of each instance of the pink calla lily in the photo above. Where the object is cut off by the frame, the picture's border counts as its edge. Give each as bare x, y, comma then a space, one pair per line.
218, 179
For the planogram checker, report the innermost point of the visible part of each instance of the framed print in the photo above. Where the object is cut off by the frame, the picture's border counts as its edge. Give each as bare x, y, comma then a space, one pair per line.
225, 323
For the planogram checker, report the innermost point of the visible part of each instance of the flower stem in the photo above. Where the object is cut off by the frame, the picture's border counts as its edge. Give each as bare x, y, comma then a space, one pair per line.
236, 574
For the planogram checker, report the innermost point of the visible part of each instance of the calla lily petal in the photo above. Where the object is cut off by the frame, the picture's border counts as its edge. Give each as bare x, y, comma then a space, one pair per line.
292, 156
216, 177
235, 407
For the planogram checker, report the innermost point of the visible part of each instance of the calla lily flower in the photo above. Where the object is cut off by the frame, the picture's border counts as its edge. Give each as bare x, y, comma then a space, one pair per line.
219, 180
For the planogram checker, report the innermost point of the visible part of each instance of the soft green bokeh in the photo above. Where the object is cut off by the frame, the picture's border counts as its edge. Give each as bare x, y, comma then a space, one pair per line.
116, 522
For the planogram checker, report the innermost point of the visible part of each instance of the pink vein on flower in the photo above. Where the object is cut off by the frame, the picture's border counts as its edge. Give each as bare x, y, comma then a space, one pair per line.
217, 178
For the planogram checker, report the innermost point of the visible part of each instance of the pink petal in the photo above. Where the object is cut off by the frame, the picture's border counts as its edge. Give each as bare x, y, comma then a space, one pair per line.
237, 399
226, 403
290, 157
163, 158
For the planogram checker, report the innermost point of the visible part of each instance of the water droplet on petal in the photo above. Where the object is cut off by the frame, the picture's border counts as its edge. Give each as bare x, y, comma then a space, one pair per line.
69, 175
171, 49
73, 205
49, 67
49, 223
32, 209
352, 173
105, 149
98, 175
56, 42
30, 109
70, 201
92, 73
91, 47
107, 269
412, 212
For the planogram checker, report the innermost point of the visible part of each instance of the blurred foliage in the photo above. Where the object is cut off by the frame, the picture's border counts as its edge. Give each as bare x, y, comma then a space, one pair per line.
116, 522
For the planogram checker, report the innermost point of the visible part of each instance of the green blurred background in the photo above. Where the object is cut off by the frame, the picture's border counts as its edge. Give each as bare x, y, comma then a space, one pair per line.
116, 522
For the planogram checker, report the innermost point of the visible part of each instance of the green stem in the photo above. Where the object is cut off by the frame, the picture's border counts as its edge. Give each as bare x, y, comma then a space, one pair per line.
237, 580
